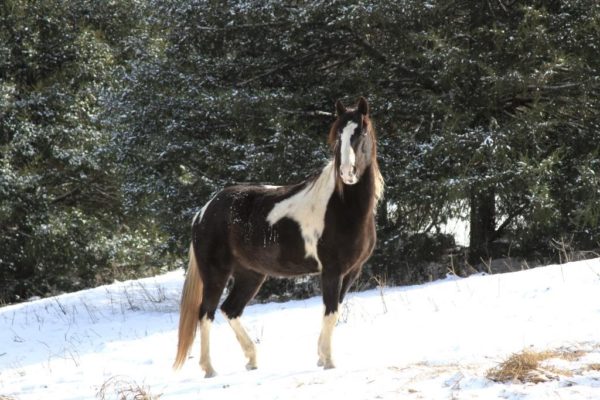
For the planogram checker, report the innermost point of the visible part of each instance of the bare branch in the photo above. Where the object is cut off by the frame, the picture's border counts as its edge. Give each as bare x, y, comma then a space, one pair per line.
316, 113
335, 64
555, 87
242, 26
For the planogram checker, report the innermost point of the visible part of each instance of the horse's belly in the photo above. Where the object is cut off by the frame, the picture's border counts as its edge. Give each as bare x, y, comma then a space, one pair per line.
284, 267
277, 262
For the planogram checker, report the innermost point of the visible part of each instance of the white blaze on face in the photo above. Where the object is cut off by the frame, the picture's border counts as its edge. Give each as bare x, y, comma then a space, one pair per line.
348, 158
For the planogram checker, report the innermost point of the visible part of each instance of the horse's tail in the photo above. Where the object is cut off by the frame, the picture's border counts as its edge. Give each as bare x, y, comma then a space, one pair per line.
191, 298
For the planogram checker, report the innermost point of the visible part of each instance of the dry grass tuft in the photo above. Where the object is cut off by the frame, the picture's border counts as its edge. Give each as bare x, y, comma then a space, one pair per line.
121, 388
7, 397
527, 367
593, 367
569, 354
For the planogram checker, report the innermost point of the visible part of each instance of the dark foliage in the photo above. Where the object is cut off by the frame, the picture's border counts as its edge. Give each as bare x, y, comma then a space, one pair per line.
118, 120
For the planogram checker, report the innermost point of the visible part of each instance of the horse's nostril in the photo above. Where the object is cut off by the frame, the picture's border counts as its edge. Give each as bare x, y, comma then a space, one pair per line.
348, 171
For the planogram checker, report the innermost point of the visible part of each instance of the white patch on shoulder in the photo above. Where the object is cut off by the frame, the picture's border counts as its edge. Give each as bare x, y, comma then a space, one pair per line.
308, 208
200, 213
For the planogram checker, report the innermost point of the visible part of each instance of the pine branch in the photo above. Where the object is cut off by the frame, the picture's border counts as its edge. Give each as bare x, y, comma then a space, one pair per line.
372, 51
66, 195
500, 230
335, 64
263, 74
279, 67
555, 87
242, 26
316, 113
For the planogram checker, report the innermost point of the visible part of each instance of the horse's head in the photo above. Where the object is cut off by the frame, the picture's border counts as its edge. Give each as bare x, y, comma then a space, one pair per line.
353, 140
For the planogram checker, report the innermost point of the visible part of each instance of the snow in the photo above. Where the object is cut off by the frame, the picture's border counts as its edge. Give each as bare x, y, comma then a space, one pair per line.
433, 341
459, 228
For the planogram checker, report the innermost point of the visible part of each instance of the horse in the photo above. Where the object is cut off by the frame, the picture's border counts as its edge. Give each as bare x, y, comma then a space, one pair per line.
324, 225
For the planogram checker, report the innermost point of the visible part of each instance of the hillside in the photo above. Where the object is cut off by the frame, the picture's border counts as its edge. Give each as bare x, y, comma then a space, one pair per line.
432, 341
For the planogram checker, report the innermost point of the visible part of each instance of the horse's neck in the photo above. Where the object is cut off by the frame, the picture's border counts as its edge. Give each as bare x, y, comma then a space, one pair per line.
358, 200
360, 197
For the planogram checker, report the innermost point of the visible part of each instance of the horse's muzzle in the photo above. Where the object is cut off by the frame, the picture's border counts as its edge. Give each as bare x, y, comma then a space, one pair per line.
348, 174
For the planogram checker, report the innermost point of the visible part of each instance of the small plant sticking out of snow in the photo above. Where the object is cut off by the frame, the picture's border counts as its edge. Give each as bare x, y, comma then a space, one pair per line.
7, 397
381, 281
122, 388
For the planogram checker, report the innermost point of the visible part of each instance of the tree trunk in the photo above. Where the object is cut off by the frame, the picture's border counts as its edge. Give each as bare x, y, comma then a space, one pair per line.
482, 223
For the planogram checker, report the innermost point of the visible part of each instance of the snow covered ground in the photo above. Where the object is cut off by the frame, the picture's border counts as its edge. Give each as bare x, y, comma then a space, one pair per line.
433, 341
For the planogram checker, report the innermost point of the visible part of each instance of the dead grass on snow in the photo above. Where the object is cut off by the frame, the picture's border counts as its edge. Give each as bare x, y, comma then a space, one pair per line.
528, 366
122, 388
593, 367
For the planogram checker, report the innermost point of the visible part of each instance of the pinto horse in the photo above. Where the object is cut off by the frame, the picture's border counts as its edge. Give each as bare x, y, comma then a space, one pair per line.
324, 225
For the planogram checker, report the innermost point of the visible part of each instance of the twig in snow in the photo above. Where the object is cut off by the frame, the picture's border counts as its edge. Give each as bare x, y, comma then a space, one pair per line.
381, 281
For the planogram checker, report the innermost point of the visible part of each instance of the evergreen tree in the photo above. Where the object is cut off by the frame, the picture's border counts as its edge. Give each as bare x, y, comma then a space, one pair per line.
118, 120
61, 214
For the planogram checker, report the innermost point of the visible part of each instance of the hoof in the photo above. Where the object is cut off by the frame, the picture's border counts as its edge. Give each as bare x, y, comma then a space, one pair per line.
329, 365
325, 364
210, 373
251, 366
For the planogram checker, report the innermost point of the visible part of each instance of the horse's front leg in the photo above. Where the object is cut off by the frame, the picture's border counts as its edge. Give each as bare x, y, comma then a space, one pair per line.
331, 287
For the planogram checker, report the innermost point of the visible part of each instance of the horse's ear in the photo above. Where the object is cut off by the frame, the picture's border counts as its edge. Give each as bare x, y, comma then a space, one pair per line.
363, 106
339, 108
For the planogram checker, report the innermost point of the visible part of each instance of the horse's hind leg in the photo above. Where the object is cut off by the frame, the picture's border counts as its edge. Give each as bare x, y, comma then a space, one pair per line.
213, 288
205, 363
245, 285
